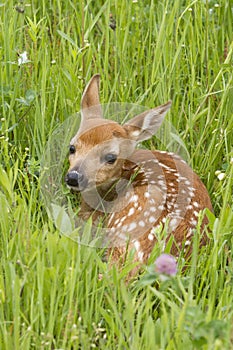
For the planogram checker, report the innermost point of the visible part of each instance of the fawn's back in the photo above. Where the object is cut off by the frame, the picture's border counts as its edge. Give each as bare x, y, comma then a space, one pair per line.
135, 192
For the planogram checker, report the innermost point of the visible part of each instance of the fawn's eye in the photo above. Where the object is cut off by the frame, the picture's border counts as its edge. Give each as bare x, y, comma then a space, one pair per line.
110, 158
72, 149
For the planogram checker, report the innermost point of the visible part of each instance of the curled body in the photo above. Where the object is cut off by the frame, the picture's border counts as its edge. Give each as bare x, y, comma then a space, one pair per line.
135, 192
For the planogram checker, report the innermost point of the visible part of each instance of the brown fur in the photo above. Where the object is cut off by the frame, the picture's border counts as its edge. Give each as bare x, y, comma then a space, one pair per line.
161, 188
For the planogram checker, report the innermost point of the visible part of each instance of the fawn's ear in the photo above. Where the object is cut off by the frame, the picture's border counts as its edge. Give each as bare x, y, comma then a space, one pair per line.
90, 104
144, 125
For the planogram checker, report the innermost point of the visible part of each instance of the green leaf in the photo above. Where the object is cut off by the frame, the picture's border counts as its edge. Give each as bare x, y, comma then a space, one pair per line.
67, 38
30, 96
61, 219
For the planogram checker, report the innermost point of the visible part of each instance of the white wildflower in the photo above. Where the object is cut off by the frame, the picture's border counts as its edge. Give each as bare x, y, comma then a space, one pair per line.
23, 58
221, 176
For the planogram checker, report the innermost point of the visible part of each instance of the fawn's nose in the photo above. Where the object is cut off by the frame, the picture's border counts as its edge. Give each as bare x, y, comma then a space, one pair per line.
74, 179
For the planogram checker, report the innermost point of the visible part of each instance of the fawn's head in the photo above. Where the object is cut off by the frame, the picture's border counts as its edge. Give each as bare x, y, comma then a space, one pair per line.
101, 147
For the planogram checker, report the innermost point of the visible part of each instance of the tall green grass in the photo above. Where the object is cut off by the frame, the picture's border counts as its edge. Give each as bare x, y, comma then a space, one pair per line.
55, 294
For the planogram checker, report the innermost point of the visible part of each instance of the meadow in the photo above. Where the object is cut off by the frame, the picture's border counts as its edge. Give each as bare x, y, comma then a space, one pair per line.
147, 52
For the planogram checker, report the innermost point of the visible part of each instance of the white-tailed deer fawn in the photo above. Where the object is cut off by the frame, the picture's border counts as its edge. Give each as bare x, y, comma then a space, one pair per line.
134, 191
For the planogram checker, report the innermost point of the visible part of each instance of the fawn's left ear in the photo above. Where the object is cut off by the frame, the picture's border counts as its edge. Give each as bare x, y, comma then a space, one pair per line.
145, 125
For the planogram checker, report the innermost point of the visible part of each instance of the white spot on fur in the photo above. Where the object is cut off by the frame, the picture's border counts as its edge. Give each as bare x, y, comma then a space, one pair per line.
140, 256
132, 226
111, 217
178, 212
135, 133
152, 209
116, 222
151, 237
182, 178
169, 206
152, 219
190, 233
166, 167
131, 211
173, 223
193, 222
134, 198
137, 245
123, 218
141, 223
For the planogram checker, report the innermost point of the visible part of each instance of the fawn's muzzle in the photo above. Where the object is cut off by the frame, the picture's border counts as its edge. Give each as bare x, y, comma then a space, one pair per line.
75, 179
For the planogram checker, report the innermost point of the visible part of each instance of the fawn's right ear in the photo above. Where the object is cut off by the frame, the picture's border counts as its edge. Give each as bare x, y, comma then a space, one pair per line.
90, 104
145, 125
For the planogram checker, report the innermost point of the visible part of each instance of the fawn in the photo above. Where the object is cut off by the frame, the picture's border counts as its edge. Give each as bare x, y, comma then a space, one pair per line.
136, 191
